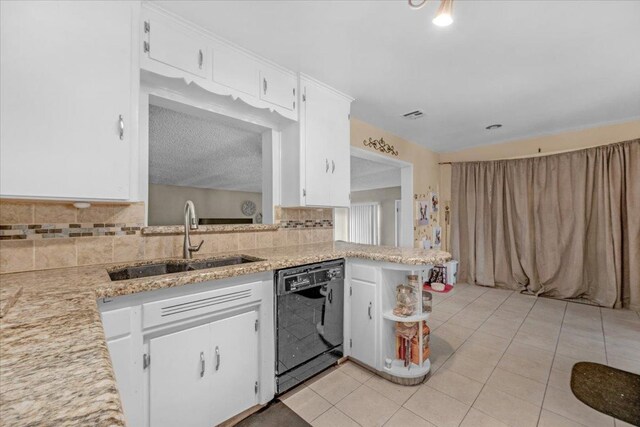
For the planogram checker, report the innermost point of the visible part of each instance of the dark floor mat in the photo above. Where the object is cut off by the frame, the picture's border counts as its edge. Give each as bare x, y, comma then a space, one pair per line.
277, 414
608, 390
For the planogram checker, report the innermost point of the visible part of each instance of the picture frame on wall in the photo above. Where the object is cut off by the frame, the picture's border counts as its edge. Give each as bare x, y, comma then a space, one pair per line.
435, 201
436, 237
422, 212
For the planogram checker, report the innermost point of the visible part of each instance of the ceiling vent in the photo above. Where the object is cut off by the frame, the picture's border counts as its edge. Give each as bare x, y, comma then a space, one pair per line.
414, 115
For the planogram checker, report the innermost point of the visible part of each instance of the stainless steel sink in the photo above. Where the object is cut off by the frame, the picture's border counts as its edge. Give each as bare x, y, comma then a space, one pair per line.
176, 266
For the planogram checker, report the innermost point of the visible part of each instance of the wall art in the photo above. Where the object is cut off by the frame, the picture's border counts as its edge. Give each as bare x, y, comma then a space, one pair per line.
380, 145
422, 212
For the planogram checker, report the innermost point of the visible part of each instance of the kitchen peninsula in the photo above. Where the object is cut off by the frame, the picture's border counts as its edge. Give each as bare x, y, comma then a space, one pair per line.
56, 366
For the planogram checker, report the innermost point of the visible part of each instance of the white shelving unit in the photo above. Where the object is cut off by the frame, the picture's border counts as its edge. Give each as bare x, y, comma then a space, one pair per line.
415, 318
391, 276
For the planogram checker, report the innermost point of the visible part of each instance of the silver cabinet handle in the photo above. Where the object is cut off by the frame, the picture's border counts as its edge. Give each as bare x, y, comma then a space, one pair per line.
333, 166
264, 85
370, 311
217, 358
201, 59
121, 123
327, 165
201, 364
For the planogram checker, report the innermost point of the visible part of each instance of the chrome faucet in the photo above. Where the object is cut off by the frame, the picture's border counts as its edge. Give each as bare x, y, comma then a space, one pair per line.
190, 223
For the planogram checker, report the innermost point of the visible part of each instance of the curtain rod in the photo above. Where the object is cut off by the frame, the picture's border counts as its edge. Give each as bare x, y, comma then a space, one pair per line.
444, 163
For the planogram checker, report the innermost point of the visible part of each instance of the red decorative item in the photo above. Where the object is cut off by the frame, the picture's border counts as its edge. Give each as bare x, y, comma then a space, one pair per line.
447, 288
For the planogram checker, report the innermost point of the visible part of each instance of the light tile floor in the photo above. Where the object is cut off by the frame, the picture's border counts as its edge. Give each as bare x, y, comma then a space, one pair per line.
498, 358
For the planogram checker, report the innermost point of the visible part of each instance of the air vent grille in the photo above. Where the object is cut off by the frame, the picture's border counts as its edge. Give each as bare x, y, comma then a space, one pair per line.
205, 302
416, 114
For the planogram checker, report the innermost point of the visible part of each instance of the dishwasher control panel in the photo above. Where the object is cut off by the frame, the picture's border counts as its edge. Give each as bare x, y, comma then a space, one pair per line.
299, 278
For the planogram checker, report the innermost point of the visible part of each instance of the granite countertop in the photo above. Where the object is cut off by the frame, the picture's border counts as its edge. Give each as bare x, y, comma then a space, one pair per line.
8, 296
54, 362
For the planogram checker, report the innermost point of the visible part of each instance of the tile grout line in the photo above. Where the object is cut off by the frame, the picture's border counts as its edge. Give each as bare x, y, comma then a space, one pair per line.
476, 330
465, 340
501, 356
546, 386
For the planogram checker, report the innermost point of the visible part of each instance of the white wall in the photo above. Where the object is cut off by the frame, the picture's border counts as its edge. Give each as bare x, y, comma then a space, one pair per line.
386, 197
166, 203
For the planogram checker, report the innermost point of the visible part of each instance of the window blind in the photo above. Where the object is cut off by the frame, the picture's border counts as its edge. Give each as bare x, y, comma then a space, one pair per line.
364, 225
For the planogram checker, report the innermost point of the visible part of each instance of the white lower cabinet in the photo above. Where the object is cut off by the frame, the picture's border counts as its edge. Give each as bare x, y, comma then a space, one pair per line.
363, 320
234, 372
204, 375
192, 356
180, 386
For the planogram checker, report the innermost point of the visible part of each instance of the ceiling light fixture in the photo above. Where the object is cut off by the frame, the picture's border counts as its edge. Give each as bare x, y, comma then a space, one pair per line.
444, 16
495, 126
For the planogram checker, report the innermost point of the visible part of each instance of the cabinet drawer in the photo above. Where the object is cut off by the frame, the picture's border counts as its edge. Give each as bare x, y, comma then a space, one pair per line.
179, 308
365, 273
174, 46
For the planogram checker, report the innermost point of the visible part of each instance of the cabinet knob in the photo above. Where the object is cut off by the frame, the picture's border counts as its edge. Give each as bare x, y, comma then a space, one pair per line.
121, 124
369, 311
201, 364
264, 85
200, 58
326, 169
217, 358
333, 166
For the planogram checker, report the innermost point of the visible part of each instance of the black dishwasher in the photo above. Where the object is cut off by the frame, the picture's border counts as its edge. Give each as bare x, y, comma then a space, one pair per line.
309, 321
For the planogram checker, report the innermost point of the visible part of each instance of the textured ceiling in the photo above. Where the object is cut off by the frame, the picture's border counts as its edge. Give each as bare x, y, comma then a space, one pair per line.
368, 175
194, 152
537, 67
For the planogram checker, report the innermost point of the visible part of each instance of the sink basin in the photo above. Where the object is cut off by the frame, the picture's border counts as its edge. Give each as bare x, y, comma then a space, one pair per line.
177, 266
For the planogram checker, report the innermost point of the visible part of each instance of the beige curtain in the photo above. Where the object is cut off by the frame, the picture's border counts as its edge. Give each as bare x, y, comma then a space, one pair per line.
564, 225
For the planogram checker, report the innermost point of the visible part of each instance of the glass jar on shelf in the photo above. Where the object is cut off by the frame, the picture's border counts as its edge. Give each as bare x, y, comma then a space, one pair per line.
405, 301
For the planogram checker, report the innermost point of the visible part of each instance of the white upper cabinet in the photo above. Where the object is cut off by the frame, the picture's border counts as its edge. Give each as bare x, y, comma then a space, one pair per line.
278, 87
236, 70
316, 152
69, 90
176, 46
173, 47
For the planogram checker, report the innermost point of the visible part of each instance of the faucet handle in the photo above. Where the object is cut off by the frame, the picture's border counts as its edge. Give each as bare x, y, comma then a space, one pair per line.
196, 248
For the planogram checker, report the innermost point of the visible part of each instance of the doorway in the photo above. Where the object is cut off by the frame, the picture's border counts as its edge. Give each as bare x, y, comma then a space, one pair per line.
385, 187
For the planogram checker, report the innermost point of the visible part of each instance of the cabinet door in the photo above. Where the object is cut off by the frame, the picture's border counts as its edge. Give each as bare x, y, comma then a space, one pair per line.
363, 315
235, 365
66, 78
277, 87
233, 69
317, 119
341, 154
173, 45
180, 380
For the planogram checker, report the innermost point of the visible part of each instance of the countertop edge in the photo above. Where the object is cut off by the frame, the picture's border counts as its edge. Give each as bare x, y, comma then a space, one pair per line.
159, 230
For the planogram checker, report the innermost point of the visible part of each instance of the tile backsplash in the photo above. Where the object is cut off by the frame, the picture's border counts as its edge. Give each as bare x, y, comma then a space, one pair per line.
37, 235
